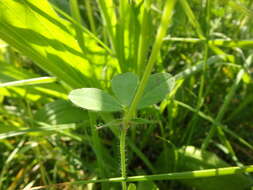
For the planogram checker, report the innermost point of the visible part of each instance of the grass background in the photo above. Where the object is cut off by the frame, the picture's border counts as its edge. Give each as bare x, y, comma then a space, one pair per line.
63, 45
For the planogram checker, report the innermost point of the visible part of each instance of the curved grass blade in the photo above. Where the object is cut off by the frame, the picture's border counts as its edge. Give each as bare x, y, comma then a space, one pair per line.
196, 174
32, 81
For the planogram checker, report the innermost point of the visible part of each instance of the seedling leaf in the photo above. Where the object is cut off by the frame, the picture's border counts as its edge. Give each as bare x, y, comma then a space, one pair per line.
94, 99
124, 87
159, 85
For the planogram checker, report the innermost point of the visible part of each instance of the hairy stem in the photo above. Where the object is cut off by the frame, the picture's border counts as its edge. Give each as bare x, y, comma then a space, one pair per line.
123, 155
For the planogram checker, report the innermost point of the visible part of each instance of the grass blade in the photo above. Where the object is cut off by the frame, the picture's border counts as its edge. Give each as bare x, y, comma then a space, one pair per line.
169, 176
33, 81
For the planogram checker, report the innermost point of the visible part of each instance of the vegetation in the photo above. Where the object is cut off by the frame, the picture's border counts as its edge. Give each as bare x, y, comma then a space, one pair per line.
126, 94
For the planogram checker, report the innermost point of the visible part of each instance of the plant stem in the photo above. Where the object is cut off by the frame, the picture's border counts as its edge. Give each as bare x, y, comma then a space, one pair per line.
107, 118
123, 155
166, 17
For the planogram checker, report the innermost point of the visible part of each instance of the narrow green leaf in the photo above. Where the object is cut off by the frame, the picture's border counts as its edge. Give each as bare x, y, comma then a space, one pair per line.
94, 99
22, 82
109, 18
159, 85
44, 129
124, 87
31, 81
195, 174
193, 20
74, 7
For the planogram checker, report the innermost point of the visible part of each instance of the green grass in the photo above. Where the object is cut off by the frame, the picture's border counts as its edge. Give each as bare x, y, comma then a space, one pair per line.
164, 89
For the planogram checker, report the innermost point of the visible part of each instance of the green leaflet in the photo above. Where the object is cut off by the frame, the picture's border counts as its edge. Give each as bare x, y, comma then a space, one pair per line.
159, 85
94, 99
124, 87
